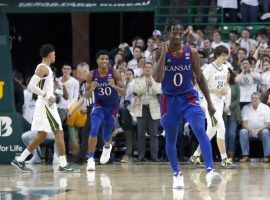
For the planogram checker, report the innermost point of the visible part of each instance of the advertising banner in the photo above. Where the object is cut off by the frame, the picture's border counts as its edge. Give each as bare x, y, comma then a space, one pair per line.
11, 129
77, 5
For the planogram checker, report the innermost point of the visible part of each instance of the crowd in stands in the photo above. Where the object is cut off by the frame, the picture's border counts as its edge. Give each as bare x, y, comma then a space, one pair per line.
246, 112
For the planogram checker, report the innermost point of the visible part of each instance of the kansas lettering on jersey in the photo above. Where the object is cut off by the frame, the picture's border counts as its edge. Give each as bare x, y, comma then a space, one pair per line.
178, 73
104, 94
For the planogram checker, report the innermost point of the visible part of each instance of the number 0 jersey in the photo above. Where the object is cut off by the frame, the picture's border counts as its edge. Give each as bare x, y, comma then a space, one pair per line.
104, 94
178, 73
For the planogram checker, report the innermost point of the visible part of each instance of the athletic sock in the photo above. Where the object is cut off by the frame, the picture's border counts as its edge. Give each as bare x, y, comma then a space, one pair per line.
23, 156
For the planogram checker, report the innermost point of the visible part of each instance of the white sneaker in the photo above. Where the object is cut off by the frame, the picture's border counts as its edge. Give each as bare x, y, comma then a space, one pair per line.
265, 16
213, 179
105, 156
90, 165
178, 181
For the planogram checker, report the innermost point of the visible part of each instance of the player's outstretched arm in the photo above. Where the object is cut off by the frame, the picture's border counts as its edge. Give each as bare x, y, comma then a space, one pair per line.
200, 79
159, 63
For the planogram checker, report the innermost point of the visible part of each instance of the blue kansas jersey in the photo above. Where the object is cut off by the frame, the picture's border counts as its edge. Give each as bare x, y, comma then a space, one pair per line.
178, 73
105, 95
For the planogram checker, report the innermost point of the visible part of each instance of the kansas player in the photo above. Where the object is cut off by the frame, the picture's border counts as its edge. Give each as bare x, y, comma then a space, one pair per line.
106, 84
175, 65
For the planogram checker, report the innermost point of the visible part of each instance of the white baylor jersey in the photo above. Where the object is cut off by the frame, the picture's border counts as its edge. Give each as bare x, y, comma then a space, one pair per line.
46, 83
46, 117
216, 77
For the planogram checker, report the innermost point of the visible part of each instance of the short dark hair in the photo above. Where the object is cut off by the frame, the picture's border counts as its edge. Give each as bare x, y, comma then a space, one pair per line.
263, 31
174, 23
202, 53
242, 49
102, 52
137, 47
234, 32
246, 59
131, 70
220, 50
45, 49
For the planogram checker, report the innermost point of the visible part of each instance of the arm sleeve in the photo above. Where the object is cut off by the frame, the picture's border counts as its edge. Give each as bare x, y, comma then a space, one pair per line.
32, 86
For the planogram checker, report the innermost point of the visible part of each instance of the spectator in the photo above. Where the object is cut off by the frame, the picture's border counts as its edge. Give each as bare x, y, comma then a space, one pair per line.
249, 10
122, 49
29, 135
248, 81
245, 41
29, 104
241, 54
138, 72
232, 117
233, 35
18, 91
266, 9
137, 53
72, 86
126, 120
256, 124
156, 34
207, 49
217, 40
150, 47
229, 7
265, 77
259, 64
147, 111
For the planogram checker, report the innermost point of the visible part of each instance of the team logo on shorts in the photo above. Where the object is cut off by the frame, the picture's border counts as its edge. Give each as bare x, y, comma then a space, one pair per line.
5, 126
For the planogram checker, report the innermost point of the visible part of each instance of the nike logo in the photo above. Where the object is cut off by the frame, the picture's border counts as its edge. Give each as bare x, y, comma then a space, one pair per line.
20, 165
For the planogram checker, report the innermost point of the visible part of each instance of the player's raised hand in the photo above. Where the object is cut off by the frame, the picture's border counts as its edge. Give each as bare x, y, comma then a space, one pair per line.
164, 48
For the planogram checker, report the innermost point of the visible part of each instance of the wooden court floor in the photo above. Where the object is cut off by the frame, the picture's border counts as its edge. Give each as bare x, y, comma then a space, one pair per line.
145, 181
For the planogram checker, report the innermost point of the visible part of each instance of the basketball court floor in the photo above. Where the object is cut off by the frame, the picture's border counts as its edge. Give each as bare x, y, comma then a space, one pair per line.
144, 181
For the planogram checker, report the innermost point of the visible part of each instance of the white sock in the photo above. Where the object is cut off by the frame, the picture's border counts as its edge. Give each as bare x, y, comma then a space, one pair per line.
223, 156
63, 161
23, 156
197, 153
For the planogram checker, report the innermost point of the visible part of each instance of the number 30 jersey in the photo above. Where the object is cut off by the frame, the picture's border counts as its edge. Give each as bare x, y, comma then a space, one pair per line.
104, 94
216, 77
178, 73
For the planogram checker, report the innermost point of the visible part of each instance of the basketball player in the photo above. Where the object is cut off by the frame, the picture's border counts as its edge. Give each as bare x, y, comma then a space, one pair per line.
46, 118
216, 78
175, 65
106, 83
